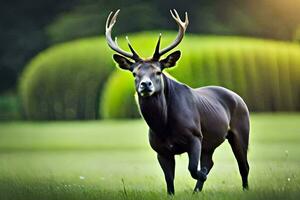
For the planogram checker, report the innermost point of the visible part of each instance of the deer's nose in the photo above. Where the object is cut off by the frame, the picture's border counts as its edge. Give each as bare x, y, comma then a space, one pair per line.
146, 84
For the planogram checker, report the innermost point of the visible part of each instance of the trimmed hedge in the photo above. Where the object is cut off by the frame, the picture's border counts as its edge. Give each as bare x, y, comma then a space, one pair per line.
265, 73
122, 95
65, 81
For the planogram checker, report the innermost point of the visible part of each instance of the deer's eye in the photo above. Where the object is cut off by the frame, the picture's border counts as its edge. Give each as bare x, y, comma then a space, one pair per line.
158, 73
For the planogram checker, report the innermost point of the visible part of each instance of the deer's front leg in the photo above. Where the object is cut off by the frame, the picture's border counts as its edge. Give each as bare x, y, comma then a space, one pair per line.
167, 164
194, 164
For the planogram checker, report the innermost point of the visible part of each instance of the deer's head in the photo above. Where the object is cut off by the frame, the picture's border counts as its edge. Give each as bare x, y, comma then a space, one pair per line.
147, 72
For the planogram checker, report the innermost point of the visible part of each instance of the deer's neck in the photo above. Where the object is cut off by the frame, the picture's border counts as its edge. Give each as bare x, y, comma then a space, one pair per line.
155, 108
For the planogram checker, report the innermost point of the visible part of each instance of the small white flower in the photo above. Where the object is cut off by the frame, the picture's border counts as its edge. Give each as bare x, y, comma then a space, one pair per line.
289, 179
82, 177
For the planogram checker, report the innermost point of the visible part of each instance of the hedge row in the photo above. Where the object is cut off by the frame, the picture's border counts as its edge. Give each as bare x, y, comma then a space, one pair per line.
265, 73
66, 81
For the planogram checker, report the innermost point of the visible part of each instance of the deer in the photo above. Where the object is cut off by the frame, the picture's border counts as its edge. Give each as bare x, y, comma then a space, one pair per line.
182, 119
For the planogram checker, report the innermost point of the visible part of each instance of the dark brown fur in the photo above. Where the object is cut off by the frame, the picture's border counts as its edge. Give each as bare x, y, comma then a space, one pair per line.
182, 119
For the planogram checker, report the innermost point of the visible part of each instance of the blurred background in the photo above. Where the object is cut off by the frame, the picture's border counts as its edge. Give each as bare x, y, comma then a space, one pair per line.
69, 124
55, 64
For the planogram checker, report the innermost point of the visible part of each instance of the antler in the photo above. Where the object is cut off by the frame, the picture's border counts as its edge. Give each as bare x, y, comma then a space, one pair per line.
110, 22
181, 30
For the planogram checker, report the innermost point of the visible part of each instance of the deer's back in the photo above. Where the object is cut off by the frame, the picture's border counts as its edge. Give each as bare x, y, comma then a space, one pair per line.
217, 107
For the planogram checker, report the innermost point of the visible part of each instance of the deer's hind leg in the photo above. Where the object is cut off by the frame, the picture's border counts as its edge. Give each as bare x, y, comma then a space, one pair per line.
238, 137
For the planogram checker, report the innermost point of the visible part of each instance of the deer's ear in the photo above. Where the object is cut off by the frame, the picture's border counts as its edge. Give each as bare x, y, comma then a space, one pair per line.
170, 60
123, 62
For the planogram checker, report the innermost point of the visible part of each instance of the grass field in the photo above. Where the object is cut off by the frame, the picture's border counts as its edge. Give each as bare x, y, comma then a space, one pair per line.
112, 160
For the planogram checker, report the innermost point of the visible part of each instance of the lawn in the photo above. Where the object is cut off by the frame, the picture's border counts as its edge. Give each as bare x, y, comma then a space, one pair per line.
112, 160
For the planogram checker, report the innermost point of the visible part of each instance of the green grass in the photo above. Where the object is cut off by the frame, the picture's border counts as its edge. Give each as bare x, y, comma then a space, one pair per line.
46, 160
